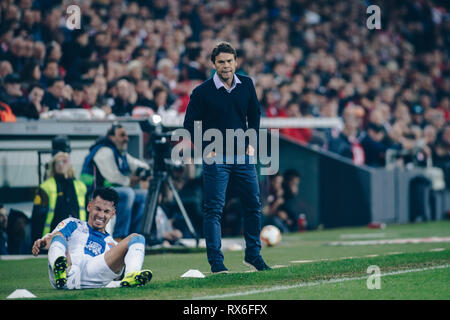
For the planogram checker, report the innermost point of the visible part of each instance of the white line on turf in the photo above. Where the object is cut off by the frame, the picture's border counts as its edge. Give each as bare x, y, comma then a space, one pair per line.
437, 250
21, 257
314, 283
390, 241
302, 261
362, 236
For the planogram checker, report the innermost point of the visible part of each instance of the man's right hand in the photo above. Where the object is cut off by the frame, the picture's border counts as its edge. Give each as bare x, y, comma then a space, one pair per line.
134, 180
38, 245
211, 154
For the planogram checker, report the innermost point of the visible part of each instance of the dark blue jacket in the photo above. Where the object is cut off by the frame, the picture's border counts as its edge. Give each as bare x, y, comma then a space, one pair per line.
218, 109
89, 177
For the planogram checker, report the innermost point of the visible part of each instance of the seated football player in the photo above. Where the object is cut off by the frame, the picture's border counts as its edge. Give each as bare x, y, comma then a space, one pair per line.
83, 255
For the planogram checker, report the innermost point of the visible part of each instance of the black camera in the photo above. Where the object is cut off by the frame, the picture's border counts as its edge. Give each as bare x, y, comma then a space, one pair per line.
416, 156
160, 146
143, 173
161, 149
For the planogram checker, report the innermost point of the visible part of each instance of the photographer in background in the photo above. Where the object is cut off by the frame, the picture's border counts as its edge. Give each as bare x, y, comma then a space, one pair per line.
109, 164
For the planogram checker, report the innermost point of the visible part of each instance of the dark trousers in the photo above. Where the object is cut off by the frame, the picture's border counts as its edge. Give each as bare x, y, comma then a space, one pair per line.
215, 181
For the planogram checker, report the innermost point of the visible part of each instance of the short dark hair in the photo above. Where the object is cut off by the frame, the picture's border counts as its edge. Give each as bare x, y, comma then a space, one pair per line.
50, 61
77, 86
61, 143
290, 174
375, 127
158, 90
35, 85
106, 193
112, 130
12, 78
52, 81
222, 47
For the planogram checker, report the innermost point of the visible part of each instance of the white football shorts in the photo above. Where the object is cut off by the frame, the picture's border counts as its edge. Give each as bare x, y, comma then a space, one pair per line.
91, 272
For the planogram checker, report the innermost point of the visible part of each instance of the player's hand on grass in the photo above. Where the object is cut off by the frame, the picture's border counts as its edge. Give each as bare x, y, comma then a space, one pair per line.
38, 245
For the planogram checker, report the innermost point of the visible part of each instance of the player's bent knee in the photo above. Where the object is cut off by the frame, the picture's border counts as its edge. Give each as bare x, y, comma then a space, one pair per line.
126, 194
59, 240
136, 238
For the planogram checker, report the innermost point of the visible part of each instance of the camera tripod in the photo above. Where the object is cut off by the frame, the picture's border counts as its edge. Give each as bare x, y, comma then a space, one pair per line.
151, 203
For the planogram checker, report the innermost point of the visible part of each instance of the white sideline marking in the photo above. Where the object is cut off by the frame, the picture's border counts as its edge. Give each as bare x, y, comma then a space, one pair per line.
302, 261
21, 256
390, 241
362, 235
278, 266
314, 283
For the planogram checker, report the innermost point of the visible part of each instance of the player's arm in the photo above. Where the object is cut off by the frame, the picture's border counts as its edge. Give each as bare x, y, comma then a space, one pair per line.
44, 242
65, 228
104, 159
193, 112
253, 116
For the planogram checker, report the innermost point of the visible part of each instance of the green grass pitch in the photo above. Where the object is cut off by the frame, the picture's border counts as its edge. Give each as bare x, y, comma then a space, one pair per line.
306, 267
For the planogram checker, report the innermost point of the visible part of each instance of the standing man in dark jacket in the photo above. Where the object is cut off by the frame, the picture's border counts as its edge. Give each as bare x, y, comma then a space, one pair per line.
228, 101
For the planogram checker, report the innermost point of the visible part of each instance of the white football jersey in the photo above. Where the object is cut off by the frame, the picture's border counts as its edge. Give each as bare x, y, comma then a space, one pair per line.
83, 242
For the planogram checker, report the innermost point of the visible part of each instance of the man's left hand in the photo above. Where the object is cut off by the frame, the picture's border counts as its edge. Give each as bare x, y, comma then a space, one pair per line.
134, 180
250, 151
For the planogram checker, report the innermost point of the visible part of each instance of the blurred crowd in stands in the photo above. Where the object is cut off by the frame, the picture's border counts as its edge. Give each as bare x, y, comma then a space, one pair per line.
307, 58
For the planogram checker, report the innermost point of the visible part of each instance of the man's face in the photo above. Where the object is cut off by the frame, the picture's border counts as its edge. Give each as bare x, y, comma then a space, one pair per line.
120, 139
51, 70
13, 89
123, 89
376, 135
277, 182
36, 94
417, 118
293, 185
142, 86
100, 83
429, 134
161, 98
225, 65
5, 68
100, 212
91, 94
350, 120
57, 89
446, 135
78, 97
3, 219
